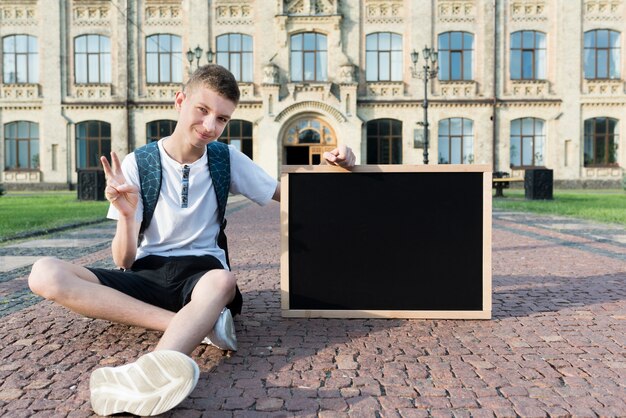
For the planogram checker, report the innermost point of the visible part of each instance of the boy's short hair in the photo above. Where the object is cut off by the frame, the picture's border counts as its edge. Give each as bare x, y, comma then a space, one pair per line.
216, 78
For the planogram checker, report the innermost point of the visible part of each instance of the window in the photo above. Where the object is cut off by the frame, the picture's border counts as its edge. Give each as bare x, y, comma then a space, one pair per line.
234, 51
601, 141
528, 55
602, 54
383, 57
21, 146
164, 63
238, 133
527, 142
159, 129
384, 141
308, 57
456, 51
20, 60
92, 59
456, 141
93, 140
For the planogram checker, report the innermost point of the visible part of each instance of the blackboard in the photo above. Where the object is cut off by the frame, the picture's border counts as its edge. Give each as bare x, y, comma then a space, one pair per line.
388, 241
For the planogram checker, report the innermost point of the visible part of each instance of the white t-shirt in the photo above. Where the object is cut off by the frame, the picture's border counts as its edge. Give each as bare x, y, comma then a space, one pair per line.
177, 231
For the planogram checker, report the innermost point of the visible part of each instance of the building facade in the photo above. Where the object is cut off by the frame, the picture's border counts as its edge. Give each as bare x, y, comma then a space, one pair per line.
517, 84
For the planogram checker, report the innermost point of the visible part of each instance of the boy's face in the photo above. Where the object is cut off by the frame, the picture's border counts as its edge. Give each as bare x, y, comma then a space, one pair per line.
203, 115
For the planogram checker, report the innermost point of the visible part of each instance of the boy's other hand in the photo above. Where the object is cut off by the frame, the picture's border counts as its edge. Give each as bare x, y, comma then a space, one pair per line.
341, 156
121, 195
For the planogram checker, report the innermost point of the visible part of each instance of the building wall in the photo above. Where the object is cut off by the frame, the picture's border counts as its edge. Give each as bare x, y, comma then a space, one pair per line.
346, 102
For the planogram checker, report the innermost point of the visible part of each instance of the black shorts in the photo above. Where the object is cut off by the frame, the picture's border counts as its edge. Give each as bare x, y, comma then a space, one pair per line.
166, 282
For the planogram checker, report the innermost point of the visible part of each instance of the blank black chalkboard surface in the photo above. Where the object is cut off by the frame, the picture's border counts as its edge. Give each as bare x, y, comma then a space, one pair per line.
392, 241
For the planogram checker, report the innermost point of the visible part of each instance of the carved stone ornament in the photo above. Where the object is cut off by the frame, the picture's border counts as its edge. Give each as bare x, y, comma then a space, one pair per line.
603, 10
270, 74
310, 7
528, 11
91, 13
456, 11
389, 11
19, 13
163, 13
233, 12
347, 74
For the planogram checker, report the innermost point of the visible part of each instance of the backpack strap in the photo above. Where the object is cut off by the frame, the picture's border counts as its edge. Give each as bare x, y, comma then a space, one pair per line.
149, 167
219, 167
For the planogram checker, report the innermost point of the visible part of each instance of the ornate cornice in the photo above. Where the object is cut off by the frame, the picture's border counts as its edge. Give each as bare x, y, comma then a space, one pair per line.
311, 106
20, 106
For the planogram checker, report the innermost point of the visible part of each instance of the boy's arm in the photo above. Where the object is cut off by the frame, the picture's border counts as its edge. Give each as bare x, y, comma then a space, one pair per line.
124, 197
341, 156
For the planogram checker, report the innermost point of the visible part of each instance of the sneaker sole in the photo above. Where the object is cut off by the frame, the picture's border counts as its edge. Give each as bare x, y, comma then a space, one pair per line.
154, 384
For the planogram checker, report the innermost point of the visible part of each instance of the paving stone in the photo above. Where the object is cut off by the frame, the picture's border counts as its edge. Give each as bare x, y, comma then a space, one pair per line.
554, 347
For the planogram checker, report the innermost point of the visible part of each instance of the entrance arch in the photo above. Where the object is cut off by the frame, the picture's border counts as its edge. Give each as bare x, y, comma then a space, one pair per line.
305, 139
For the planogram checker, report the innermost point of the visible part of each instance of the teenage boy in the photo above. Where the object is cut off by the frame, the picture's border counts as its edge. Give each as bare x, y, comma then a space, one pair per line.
177, 280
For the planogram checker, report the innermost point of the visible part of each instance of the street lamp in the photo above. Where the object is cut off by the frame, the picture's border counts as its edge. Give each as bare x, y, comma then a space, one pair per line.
197, 54
429, 71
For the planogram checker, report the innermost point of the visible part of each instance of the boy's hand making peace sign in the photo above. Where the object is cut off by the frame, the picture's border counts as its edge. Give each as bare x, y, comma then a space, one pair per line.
121, 195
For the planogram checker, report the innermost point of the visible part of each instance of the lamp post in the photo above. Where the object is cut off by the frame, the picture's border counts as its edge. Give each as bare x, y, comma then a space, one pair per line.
428, 72
197, 54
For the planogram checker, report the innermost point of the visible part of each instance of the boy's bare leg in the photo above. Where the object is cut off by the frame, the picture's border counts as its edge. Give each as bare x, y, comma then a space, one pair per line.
79, 289
195, 320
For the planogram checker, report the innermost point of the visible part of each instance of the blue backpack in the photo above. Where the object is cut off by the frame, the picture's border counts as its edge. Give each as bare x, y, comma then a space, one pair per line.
149, 166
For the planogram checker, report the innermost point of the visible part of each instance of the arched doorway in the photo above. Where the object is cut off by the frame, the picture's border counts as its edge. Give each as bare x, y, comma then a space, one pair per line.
306, 139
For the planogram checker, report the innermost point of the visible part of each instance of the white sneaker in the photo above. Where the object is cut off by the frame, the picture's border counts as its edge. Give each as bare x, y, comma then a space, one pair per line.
154, 384
223, 335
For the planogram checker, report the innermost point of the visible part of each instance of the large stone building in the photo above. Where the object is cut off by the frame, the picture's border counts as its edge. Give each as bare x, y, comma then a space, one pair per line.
519, 84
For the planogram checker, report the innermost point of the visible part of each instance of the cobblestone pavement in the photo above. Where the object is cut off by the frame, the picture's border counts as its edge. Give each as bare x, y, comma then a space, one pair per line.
555, 345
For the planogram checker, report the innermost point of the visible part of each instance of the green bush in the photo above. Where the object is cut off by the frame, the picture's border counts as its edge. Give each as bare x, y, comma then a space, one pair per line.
1, 190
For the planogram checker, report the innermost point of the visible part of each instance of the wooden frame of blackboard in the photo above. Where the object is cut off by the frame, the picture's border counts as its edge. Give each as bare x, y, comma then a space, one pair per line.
480, 174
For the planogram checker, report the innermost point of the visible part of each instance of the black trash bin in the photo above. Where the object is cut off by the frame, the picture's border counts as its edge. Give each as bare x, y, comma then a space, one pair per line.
91, 184
538, 184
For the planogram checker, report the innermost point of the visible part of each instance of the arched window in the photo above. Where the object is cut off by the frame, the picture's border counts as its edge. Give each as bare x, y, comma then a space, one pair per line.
384, 141
306, 139
602, 54
456, 141
93, 140
158, 129
309, 57
92, 59
383, 55
601, 141
164, 62
456, 50
20, 59
527, 142
528, 55
21, 146
234, 52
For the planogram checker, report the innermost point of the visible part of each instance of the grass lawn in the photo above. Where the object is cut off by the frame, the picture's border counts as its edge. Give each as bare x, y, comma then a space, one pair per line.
607, 206
22, 212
